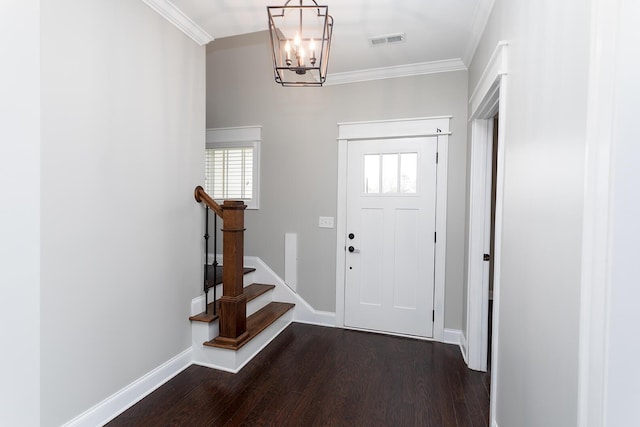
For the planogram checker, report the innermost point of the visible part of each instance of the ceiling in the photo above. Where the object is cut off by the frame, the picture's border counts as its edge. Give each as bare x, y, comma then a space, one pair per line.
439, 33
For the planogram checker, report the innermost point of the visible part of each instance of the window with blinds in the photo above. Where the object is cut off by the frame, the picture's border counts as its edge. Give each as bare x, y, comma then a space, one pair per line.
229, 173
232, 164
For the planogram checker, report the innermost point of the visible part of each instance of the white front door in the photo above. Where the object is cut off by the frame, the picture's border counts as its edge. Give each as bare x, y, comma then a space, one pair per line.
390, 227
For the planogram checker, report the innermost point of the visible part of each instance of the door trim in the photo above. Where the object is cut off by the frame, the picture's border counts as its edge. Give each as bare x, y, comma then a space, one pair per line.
489, 97
404, 128
478, 244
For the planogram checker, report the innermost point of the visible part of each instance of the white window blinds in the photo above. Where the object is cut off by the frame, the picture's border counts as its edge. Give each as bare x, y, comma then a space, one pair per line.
232, 164
229, 173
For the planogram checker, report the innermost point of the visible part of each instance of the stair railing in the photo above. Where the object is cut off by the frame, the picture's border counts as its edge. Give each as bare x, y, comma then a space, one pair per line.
233, 303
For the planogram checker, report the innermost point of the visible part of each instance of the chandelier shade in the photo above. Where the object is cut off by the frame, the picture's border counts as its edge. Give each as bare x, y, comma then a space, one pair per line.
300, 40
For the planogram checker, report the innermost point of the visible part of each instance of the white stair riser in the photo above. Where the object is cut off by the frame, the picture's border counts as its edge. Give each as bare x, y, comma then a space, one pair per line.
259, 302
247, 279
202, 332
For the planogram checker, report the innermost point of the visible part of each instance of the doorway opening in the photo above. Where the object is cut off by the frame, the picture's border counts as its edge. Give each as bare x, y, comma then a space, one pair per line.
485, 217
492, 234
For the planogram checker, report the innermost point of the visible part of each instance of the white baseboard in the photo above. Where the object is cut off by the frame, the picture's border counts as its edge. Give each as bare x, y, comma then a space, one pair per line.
321, 318
451, 336
463, 348
455, 336
122, 400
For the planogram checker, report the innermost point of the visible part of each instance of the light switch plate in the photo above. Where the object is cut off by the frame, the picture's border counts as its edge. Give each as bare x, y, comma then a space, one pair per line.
325, 222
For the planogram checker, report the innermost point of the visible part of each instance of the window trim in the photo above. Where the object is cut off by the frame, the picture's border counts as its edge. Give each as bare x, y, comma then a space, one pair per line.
237, 137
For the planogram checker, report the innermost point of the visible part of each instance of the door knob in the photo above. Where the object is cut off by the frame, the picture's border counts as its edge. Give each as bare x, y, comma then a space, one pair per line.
354, 250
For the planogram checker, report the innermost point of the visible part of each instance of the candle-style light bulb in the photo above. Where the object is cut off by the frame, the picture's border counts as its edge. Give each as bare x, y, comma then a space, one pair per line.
312, 49
287, 48
301, 57
296, 40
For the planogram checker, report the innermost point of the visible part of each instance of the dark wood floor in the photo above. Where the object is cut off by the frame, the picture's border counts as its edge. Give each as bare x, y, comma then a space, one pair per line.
316, 376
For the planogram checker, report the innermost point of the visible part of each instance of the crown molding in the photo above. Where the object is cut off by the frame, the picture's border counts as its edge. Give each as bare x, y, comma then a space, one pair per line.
396, 71
175, 16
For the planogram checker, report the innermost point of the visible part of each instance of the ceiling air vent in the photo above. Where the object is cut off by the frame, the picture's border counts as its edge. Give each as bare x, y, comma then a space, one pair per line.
389, 39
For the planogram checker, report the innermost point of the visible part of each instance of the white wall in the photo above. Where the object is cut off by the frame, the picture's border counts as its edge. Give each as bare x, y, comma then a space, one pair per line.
122, 138
622, 396
543, 201
20, 213
299, 155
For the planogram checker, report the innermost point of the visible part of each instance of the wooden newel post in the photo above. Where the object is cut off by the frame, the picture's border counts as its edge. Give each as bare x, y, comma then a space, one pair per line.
233, 303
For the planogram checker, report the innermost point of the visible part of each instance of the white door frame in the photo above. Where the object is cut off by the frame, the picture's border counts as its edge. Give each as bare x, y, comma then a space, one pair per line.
405, 128
487, 99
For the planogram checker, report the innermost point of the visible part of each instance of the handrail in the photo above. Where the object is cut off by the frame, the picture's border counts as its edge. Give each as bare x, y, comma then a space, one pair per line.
201, 196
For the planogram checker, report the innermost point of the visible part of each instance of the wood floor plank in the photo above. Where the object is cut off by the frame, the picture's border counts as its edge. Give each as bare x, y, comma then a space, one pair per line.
317, 376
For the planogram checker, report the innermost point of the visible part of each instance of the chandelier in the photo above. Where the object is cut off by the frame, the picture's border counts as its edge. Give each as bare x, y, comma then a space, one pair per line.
300, 40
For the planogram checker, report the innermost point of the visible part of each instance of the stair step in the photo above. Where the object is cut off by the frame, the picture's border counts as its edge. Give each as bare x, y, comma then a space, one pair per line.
218, 274
252, 292
258, 322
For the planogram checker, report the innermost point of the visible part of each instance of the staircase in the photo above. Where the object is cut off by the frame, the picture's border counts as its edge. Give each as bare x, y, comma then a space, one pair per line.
231, 330
265, 320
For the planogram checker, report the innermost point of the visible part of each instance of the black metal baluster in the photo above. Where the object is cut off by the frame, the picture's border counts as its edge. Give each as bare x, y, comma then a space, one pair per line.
215, 261
206, 260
